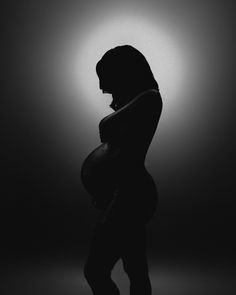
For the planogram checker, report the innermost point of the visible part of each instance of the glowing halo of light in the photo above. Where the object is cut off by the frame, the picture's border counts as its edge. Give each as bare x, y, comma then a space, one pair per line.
165, 56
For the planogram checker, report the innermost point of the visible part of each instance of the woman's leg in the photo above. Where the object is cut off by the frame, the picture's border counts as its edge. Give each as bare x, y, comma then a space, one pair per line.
135, 261
104, 252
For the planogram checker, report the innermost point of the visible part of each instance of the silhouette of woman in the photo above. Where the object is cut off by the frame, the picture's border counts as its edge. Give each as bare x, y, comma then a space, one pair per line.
115, 174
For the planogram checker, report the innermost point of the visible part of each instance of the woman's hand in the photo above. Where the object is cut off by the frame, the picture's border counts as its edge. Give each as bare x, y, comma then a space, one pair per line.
111, 213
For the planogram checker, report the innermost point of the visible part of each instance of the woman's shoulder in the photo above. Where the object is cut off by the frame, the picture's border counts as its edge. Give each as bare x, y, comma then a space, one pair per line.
150, 100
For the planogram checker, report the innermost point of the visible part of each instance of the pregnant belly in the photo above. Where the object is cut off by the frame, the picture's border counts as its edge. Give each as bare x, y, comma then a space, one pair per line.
99, 173
105, 171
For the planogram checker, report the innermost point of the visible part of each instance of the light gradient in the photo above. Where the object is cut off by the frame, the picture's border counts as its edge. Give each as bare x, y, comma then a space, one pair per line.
53, 104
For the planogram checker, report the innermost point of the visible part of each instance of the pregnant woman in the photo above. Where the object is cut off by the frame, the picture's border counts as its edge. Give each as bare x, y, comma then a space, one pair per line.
115, 174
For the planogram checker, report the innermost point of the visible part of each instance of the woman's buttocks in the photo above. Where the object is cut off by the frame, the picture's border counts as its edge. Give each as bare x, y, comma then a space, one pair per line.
139, 195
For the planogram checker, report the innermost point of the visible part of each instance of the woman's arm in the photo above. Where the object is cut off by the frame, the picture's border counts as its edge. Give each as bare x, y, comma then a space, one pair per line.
124, 113
122, 123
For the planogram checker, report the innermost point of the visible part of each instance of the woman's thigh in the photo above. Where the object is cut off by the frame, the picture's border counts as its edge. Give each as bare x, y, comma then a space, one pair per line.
110, 243
104, 250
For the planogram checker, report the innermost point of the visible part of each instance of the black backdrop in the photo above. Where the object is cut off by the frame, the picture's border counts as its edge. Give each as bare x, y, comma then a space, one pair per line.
42, 201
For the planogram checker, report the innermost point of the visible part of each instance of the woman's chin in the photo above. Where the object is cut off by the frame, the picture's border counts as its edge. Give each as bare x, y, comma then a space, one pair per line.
113, 105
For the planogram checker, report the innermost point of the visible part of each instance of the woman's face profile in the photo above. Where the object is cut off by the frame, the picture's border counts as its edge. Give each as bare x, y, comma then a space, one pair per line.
124, 72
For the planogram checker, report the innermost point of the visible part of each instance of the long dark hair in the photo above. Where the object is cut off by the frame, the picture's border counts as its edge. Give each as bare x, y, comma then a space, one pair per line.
125, 67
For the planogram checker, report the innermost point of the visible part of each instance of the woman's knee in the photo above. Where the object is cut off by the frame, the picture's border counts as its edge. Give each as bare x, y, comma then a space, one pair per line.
90, 272
95, 273
136, 270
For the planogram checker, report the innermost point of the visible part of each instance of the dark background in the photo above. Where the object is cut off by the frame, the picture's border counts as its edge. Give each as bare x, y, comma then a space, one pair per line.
45, 211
